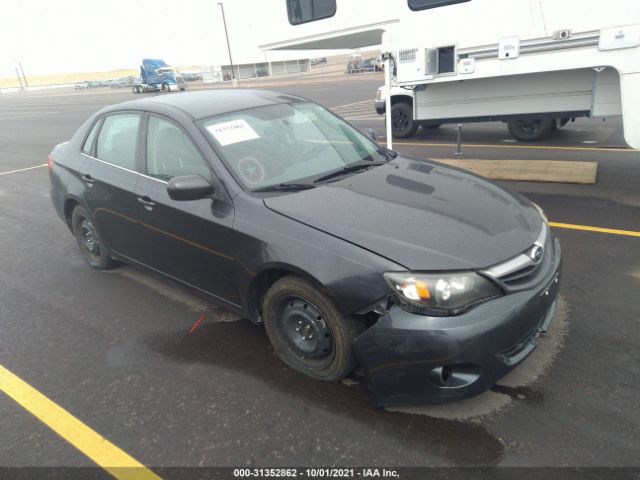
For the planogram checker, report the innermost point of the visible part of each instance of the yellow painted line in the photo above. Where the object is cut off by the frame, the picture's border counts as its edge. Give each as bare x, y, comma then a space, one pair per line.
526, 147
587, 228
104, 453
23, 169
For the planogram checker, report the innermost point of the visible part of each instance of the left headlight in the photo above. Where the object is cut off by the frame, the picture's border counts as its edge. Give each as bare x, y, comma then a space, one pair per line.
441, 294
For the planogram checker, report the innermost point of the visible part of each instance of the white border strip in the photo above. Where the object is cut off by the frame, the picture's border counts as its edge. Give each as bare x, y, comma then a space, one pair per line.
23, 169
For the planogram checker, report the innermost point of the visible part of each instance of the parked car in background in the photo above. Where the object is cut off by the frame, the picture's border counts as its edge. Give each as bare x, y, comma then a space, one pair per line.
192, 77
82, 85
318, 60
434, 281
372, 64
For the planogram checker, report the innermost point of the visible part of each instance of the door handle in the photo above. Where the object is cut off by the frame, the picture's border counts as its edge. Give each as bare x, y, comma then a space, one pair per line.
147, 202
88, 179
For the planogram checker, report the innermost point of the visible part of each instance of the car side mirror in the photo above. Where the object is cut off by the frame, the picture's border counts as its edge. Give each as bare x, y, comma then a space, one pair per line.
189, 187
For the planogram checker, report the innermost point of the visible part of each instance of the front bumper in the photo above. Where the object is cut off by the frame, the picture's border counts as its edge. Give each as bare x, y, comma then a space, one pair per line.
410, 359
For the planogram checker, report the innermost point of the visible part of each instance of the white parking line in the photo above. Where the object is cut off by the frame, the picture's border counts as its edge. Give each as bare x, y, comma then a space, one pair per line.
23, 169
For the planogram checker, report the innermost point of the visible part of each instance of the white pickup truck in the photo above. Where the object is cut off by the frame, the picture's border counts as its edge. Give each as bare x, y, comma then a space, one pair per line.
403, 125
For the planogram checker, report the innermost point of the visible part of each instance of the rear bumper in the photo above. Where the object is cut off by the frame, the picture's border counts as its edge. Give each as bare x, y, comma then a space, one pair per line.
411, 359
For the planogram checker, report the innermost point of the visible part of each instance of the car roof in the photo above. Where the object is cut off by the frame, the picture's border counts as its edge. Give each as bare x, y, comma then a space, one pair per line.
208, 103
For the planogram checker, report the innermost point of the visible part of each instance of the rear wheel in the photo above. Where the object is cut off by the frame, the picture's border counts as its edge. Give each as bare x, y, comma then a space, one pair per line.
530, 129
402, 123
307, 331
89, 240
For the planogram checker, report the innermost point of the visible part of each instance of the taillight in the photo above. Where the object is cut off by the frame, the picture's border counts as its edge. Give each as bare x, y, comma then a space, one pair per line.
50, 163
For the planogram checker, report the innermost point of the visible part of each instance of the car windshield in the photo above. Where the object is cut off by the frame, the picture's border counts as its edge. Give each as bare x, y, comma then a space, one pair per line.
287, 143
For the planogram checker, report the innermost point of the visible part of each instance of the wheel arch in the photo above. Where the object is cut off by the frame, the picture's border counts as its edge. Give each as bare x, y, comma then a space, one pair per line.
408, 99
69, 205
265, 278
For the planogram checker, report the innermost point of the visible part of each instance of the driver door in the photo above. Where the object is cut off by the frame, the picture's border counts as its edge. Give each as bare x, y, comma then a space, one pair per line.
190, 241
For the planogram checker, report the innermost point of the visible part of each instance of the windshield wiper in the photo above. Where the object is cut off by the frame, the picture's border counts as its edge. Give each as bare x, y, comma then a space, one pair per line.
285, 187
353, 168
390, 154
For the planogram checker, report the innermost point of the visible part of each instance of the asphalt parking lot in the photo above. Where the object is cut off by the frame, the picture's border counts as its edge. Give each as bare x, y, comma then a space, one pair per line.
114, 349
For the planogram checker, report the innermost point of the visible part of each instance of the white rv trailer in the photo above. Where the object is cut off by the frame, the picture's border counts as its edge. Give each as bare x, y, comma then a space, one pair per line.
474, 60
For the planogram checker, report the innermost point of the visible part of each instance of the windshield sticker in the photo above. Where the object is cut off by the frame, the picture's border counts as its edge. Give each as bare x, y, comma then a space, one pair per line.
235, 131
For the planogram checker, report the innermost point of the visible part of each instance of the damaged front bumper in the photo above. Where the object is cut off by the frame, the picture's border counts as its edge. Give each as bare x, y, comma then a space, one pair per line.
411, 359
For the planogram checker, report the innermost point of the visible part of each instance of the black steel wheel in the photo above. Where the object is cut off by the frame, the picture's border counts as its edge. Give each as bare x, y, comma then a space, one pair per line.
89, 240
402, 123
307, 331
530, 129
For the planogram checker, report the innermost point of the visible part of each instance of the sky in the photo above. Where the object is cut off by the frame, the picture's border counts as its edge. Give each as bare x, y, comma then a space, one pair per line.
64, 36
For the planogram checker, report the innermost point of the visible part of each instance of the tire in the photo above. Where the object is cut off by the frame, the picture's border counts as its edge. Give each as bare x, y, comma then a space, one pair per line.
307, 331
165, 87
89, 240
530, 129
402, 123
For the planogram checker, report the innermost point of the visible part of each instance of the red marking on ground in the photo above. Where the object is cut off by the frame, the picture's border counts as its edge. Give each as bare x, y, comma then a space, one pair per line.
197, 324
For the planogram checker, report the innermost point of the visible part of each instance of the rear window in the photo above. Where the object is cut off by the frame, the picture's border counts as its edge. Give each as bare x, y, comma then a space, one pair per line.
117, 140
303, 11
425, 4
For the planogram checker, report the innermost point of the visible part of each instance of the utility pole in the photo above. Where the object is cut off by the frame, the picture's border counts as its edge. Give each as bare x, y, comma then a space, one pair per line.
226, 34
19, 79
23, 75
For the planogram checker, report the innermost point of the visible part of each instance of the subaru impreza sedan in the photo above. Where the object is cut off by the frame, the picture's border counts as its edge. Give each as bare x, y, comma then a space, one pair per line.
431, 280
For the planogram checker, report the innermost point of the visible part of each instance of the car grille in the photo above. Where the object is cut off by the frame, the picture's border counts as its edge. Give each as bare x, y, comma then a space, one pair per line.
520, 277
518, 272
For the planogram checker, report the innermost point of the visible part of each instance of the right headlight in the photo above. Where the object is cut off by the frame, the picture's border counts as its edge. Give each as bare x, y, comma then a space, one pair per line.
441, 294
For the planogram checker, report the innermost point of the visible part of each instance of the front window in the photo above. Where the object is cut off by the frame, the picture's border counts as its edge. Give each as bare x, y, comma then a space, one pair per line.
287, 143
303, 11
170, 152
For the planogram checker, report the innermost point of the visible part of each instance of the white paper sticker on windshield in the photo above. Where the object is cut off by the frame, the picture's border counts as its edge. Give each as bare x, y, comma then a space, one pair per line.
235, 131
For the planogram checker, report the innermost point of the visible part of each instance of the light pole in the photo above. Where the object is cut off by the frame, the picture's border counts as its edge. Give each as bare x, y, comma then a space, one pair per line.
226, 34
23, 75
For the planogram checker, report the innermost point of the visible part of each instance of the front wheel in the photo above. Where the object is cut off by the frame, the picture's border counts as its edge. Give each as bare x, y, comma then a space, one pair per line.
307, 331
402, 123
530, 129
89, 240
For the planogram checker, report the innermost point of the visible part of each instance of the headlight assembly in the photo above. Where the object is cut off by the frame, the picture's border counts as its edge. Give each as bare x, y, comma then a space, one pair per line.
441, 294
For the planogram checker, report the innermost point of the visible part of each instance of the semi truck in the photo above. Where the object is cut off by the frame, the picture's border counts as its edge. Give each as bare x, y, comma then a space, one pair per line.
534, 64
156, 75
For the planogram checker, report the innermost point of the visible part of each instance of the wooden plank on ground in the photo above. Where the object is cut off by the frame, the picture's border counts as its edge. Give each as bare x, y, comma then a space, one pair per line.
529, 170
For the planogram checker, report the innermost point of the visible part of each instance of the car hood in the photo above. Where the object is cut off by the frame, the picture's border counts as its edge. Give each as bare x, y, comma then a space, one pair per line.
420, 214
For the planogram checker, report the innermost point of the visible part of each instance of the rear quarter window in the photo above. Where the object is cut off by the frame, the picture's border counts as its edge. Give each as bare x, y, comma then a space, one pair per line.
87, 146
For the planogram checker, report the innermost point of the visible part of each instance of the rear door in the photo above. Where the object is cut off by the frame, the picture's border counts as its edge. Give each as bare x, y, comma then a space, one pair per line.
110, 175
190, 241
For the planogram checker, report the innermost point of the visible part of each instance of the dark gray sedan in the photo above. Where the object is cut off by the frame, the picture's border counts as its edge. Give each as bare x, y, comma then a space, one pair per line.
434, 281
